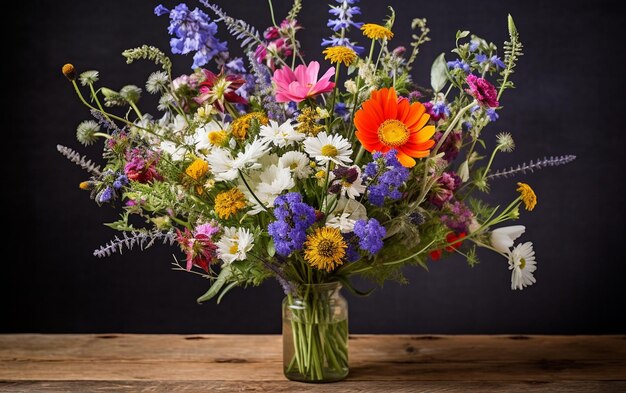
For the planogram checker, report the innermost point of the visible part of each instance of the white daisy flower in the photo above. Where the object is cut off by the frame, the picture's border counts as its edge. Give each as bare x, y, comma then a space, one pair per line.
280, 135
324, 148
522, 264
177, 152
297, 162
346, 214
266, 184
351, 182
502, 238
226, 168
209, 135
234, 244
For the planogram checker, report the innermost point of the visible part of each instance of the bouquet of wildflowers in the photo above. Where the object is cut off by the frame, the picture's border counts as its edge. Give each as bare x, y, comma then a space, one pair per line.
269, 165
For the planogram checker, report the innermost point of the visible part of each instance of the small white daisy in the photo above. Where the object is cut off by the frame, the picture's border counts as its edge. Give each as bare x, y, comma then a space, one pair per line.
502, 238
280, 135
209, 135
522, 264
297, 162
266, 184
177, 152
351, 182
226, 168
324, 148
234, 244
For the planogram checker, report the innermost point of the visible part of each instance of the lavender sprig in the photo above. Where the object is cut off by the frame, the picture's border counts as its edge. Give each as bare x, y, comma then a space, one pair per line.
533, 166
142, 240
265, 90
103, 121
79, 160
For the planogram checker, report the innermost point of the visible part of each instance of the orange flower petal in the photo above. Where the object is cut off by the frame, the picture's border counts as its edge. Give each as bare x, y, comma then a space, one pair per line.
422, 135
405, 159
404, 108
390, 103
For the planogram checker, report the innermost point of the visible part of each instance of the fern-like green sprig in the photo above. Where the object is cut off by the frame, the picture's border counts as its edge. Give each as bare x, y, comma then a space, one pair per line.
146, 52
296, 7
512, 52
247, 34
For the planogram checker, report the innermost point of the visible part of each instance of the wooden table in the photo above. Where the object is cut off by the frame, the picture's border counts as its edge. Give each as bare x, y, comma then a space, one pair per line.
378, 363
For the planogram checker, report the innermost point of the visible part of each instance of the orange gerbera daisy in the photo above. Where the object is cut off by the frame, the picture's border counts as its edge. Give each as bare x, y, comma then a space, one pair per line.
384, 123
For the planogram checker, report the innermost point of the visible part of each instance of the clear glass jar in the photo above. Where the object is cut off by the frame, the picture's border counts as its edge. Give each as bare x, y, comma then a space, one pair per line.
315, 334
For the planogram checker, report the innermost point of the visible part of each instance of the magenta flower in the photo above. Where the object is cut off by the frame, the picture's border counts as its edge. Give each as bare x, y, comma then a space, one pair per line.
141, 166
483, 91
302, 83
198, 246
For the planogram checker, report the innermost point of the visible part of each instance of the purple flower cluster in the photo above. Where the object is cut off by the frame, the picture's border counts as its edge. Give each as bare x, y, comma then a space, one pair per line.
293, 218
458, 217
370, 234
343, 13
193, 31
387, 175
444, 191
113, 181
483, 91
495, 60
450, 146
438, 110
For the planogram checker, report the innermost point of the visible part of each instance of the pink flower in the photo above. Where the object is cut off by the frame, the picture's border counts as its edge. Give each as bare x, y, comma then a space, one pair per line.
141, 166
483, 91
303, 83
198, 246
220, 88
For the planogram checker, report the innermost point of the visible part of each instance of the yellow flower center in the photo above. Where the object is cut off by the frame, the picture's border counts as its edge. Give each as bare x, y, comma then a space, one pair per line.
393, 133
522, 263
233, 249
217, 138
325, 249
329, 151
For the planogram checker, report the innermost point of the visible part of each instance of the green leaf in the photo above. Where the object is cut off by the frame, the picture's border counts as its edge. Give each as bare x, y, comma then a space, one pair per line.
225, 291
439, 73
512, 28
224, 276
346, 283
461, 34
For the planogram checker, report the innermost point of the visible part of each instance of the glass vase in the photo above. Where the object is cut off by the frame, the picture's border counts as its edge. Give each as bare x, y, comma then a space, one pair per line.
315, 334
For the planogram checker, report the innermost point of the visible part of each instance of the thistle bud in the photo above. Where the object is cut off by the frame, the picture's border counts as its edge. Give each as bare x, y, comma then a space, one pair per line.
69, 71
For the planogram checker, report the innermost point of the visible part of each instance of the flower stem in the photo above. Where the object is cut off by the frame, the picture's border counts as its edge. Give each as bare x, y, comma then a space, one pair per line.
453, 124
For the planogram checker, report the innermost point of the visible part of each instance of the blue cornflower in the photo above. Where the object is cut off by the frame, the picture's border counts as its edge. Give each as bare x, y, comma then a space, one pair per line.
481, 58
492, 114
474, 44
341, 109
343, 19
440, 109
106, 195
459, 64
370, 234
120, 182
293, 218
496, 61
387, 175
193, 31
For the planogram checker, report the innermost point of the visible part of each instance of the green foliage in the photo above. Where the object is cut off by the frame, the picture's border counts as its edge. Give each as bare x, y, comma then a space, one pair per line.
439, 73
146, 52
296, 7
417, 40
512, 52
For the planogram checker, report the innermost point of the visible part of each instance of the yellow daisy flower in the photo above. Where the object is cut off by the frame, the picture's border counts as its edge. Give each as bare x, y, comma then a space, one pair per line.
228, 203
325, 249
528, 196
376, 32
340, 54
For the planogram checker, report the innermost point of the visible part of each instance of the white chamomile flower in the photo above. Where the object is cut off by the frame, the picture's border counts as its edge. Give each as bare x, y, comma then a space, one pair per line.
234, 244
346, 214
280, 135
209, 135
266, 184
226, 168
324, 148
349, 183
502, 238
297, 162
522, 265
177, 152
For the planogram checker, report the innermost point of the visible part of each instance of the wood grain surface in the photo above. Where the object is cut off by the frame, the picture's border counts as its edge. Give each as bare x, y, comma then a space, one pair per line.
378, 363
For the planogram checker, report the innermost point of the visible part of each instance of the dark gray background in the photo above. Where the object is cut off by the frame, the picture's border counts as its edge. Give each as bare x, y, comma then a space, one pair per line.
570, 99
